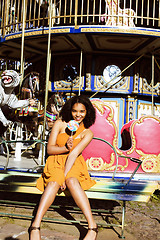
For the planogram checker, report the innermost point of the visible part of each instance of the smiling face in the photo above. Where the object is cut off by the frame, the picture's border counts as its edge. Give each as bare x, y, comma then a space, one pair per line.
78, 112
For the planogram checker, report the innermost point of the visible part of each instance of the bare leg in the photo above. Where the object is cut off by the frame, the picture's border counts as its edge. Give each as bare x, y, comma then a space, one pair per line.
82, 202
47, 199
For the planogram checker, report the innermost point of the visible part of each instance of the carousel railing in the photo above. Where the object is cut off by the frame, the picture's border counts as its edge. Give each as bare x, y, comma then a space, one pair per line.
133, 13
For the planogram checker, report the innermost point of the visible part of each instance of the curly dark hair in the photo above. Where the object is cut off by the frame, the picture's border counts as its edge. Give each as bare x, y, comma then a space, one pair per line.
90, 117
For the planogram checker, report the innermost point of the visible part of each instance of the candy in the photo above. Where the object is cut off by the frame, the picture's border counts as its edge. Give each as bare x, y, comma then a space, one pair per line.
73, 125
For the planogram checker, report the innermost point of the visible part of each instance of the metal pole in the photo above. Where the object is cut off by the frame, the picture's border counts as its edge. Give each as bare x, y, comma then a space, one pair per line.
80, 75
152, 83
22, 43
76, 11
47, 76
7, 4
123, 219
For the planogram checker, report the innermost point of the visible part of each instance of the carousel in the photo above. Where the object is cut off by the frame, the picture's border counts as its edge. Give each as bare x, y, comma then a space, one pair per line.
108, 50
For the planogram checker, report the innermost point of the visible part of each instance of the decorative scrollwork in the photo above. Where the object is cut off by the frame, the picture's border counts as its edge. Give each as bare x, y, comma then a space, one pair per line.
150, 162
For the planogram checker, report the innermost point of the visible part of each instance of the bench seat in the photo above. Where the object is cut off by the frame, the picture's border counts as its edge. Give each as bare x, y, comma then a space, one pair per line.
104, 189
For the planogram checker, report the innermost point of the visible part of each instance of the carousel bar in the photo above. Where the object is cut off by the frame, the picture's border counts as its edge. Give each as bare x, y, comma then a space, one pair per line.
22, 44
82, 4
154, 12
148, 12
142, 11
100, 7
94, 11
88, 11
17, 12
159, 15
65, 7
76, 12
136, 11
80, 75
47, 71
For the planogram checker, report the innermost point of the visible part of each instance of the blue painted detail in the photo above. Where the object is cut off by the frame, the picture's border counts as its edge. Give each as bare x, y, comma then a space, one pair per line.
136, 110
42, 29
73, 30
92, 82
131, 84
108, 177
2, 39
52, 86
131, 187
137, 30
139, 86
148, 94
125, 111
120, 176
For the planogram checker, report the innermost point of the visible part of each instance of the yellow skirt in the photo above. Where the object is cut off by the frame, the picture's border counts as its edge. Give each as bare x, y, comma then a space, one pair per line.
54, 172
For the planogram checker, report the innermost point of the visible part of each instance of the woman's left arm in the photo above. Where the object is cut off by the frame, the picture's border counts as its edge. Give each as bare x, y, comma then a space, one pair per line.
87, 138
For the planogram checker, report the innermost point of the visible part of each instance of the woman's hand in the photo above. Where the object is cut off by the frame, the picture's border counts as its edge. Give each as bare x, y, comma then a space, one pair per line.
69, 143
86, 139
63, 187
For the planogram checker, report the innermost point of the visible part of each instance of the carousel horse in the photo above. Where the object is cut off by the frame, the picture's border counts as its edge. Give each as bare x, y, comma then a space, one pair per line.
54, 106
32, 116
30, 89
10, 79
115, 16
30, 85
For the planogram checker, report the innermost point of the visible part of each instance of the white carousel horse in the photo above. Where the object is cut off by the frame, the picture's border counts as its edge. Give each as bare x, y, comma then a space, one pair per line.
8, 100
115, 16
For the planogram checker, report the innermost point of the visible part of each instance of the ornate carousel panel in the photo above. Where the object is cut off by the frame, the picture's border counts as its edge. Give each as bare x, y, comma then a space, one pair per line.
140, 140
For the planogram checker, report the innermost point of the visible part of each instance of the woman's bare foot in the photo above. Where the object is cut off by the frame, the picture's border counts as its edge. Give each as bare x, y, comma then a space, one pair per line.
92, 233
34, 233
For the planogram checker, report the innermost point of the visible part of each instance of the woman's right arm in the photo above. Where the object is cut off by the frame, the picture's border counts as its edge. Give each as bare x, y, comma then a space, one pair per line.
52, 148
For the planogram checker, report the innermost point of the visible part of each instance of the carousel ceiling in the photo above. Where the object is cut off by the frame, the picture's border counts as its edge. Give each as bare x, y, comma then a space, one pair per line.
36, 46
